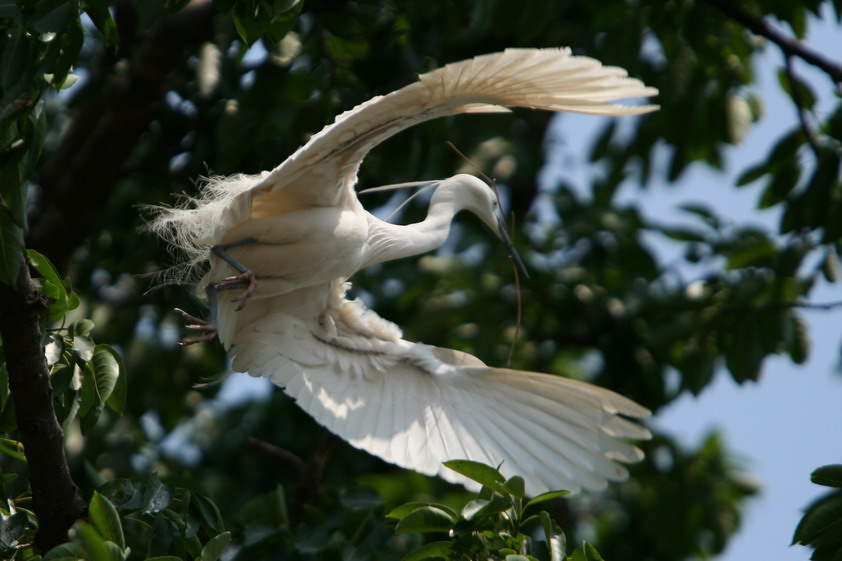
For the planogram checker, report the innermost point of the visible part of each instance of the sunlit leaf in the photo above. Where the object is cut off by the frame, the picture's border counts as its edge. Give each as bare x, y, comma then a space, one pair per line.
425, 519
403, 510
157, 495
215, 546
481, 473
430, 550
548, 496
104, 517
12, 448
100, 15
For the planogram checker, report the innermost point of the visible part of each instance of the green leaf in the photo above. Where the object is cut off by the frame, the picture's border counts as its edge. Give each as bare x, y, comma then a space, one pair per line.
427, 551
283, 17
823, 518
100, 15
799, 90
12, 528
752, 174
548, 496
829, 476
215, 546
481, 473
247, 28
425, 519
157, 495
123, 494
703, 212
11, 247
208, 512
106, 371
12, 448
91, 542
65, 551
53, 287
401, 511
53, 17
161, 537
164, 558
88, 399
104, 517
586, 552
82, 328
479, 508
783, 181
683, 234
516, 486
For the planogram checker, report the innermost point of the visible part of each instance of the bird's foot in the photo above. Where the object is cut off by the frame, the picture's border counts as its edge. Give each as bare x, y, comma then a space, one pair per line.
207, 329
245, 280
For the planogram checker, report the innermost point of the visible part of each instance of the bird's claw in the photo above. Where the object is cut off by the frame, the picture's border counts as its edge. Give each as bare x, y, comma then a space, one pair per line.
246, 279
208, 329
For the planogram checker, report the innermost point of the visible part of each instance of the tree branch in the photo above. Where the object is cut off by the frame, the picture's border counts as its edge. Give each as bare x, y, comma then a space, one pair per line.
788, 45
80, 176
799, 107
56, 500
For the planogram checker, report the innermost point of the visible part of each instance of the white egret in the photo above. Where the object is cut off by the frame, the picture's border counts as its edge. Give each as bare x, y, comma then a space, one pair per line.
290, 238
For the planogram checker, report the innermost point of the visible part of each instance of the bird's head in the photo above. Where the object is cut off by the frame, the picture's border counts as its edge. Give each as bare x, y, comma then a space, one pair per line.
467, 192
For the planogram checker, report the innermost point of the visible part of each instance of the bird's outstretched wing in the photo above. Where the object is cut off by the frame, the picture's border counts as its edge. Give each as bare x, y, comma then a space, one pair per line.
418, 406
548, 79
323, 172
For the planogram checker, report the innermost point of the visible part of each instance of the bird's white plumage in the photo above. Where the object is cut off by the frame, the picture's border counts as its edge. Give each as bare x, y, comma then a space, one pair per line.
418, 406
409, 403
322, 173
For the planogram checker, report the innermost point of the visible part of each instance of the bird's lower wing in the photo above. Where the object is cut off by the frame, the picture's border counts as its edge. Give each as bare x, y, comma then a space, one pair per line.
418, 406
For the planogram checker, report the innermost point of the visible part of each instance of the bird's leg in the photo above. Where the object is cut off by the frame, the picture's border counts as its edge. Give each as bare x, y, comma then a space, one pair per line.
207, 328
245, 280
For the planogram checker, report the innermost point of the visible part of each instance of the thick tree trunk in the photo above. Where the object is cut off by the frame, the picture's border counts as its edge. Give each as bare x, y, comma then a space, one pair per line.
55, 498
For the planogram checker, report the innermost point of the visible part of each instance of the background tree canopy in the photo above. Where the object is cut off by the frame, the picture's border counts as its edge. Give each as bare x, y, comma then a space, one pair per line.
109, 106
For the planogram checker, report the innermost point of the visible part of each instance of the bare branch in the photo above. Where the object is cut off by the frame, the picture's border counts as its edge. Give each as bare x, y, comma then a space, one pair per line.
799, 107
788, 45
290, 458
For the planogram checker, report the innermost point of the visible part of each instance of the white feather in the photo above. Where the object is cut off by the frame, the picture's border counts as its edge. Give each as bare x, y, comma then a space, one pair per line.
322, 173
431, 405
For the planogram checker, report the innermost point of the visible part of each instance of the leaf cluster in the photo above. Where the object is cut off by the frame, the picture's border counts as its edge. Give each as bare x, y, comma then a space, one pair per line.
821, 525
495, 525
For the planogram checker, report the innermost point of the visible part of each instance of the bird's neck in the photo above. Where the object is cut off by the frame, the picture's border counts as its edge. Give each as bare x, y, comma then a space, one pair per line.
387, 242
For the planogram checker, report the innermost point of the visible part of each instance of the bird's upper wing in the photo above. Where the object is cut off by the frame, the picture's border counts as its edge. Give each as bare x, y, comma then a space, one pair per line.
418, 406
549, 79
322, 173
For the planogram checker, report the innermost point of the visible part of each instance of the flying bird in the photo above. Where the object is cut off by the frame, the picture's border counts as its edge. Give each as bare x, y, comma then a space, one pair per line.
288, 240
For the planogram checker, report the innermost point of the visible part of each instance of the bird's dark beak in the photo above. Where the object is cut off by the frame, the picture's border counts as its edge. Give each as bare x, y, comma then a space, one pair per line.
507, 241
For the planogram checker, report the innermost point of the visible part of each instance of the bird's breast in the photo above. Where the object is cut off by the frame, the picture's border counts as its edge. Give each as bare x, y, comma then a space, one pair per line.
298, 248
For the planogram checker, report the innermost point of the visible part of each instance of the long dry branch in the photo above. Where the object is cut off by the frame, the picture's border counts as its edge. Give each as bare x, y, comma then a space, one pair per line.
790, 46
